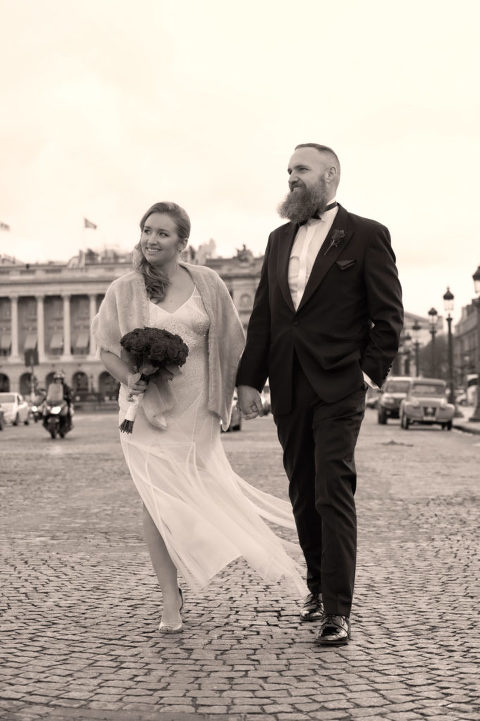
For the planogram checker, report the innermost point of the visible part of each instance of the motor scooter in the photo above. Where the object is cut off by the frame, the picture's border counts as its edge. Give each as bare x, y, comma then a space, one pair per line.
57, 419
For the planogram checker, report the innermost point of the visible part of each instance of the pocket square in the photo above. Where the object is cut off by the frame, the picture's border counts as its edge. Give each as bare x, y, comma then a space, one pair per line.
344, 264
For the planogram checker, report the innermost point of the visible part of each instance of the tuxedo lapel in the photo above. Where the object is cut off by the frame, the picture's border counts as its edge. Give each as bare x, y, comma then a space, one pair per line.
283, 261
328, 253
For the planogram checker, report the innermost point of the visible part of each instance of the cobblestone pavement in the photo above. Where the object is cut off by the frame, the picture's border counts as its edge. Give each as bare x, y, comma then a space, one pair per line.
80, 606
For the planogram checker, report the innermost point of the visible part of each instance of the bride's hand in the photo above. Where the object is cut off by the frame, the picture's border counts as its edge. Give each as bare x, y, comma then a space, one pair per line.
135, 384
164, 373
249, 402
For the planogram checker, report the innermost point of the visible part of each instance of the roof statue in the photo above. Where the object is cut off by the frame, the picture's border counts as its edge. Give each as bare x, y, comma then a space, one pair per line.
244, 254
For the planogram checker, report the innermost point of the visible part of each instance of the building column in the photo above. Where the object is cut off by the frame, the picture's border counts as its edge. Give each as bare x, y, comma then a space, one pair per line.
40, 329
67, 340
92, 354
14, 328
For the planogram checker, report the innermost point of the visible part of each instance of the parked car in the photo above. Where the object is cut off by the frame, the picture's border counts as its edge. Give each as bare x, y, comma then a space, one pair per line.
393, 392
426, 404
236, 419
266, 402
15, 408
372, 397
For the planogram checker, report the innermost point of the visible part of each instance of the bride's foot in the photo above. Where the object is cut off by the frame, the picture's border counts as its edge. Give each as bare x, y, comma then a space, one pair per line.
171, 619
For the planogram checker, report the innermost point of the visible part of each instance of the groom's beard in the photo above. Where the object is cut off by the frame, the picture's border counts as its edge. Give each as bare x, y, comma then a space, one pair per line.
302, 203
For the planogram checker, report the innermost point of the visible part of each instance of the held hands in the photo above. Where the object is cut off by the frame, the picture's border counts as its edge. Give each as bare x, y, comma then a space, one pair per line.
249, 402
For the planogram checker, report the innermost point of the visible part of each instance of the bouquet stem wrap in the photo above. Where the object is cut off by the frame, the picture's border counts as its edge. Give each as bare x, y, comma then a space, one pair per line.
155, 353
133, 403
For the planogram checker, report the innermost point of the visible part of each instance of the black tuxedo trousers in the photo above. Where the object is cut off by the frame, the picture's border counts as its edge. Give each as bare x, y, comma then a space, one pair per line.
318, 441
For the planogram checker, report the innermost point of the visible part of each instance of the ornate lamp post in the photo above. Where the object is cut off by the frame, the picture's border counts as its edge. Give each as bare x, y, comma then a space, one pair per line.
433, 319
416, 328
407, 344
476, 284
448, 299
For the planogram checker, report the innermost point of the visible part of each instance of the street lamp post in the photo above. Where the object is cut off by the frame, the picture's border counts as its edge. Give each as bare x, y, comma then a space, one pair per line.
433, 319
476, 284
407, 344
448, 299
416, 328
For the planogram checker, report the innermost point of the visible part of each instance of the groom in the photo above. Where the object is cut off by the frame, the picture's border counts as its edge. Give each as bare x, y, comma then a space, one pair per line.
326, 322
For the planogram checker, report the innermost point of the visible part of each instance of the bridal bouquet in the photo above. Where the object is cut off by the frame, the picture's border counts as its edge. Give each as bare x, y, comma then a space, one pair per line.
151, 351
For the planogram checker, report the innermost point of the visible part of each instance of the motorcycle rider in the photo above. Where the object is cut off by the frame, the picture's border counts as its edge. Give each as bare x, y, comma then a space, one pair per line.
58, 391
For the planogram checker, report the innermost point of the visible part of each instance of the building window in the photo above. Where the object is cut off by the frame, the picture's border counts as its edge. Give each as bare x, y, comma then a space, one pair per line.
5, 341
81, 342
56, 343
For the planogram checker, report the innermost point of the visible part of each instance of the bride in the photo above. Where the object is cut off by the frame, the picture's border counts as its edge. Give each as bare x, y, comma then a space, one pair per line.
199, 515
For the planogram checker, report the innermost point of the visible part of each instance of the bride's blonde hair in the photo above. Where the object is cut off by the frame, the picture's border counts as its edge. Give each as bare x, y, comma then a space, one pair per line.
156, 281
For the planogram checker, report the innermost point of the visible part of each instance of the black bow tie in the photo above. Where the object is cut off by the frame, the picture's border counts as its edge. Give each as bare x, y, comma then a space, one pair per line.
318, 216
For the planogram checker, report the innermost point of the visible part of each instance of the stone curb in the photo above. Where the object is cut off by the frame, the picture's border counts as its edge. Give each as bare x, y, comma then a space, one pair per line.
467, 428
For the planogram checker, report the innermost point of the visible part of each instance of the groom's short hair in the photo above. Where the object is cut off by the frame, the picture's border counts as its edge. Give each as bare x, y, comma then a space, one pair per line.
321, 149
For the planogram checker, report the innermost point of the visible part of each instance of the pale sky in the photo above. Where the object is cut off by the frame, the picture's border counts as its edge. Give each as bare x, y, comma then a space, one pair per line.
110, 105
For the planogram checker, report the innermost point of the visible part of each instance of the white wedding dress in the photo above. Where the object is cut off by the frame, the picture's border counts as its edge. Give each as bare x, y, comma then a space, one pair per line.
207, 515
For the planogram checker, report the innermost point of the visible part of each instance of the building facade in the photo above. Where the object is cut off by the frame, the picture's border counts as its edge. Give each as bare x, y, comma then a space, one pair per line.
47, 309
466, 347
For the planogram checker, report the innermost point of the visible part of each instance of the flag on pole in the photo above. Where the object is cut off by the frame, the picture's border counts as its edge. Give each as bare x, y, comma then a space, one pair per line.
88, 224
4, 226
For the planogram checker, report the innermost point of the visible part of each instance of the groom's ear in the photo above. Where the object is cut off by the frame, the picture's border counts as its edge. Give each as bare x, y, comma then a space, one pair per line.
332, 177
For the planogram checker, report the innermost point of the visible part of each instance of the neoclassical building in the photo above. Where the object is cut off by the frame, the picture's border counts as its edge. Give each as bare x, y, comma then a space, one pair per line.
49, 307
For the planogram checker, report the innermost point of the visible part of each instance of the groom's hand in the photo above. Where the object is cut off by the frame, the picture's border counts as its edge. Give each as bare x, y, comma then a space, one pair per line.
249, 402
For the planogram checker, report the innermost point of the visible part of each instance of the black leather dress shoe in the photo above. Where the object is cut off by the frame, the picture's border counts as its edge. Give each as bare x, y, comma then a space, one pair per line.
312, 609
334, 631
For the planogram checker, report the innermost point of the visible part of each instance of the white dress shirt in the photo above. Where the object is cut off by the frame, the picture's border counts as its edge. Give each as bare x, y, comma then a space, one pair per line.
307, 243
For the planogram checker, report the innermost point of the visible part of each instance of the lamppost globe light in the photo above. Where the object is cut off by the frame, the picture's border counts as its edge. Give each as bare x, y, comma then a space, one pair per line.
416, 328
448, 299
476, 281
433, 313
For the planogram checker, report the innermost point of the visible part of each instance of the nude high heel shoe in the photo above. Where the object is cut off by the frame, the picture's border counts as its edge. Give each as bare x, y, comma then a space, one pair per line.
167, 628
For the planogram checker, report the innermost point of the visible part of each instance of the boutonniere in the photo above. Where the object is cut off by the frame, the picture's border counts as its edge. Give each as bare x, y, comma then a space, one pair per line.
336, 239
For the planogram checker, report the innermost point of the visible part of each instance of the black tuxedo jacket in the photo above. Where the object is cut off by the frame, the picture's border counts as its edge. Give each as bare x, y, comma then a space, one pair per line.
349, 319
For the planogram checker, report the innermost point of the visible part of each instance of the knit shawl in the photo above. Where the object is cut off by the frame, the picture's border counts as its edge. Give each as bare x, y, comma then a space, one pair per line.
125, 307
